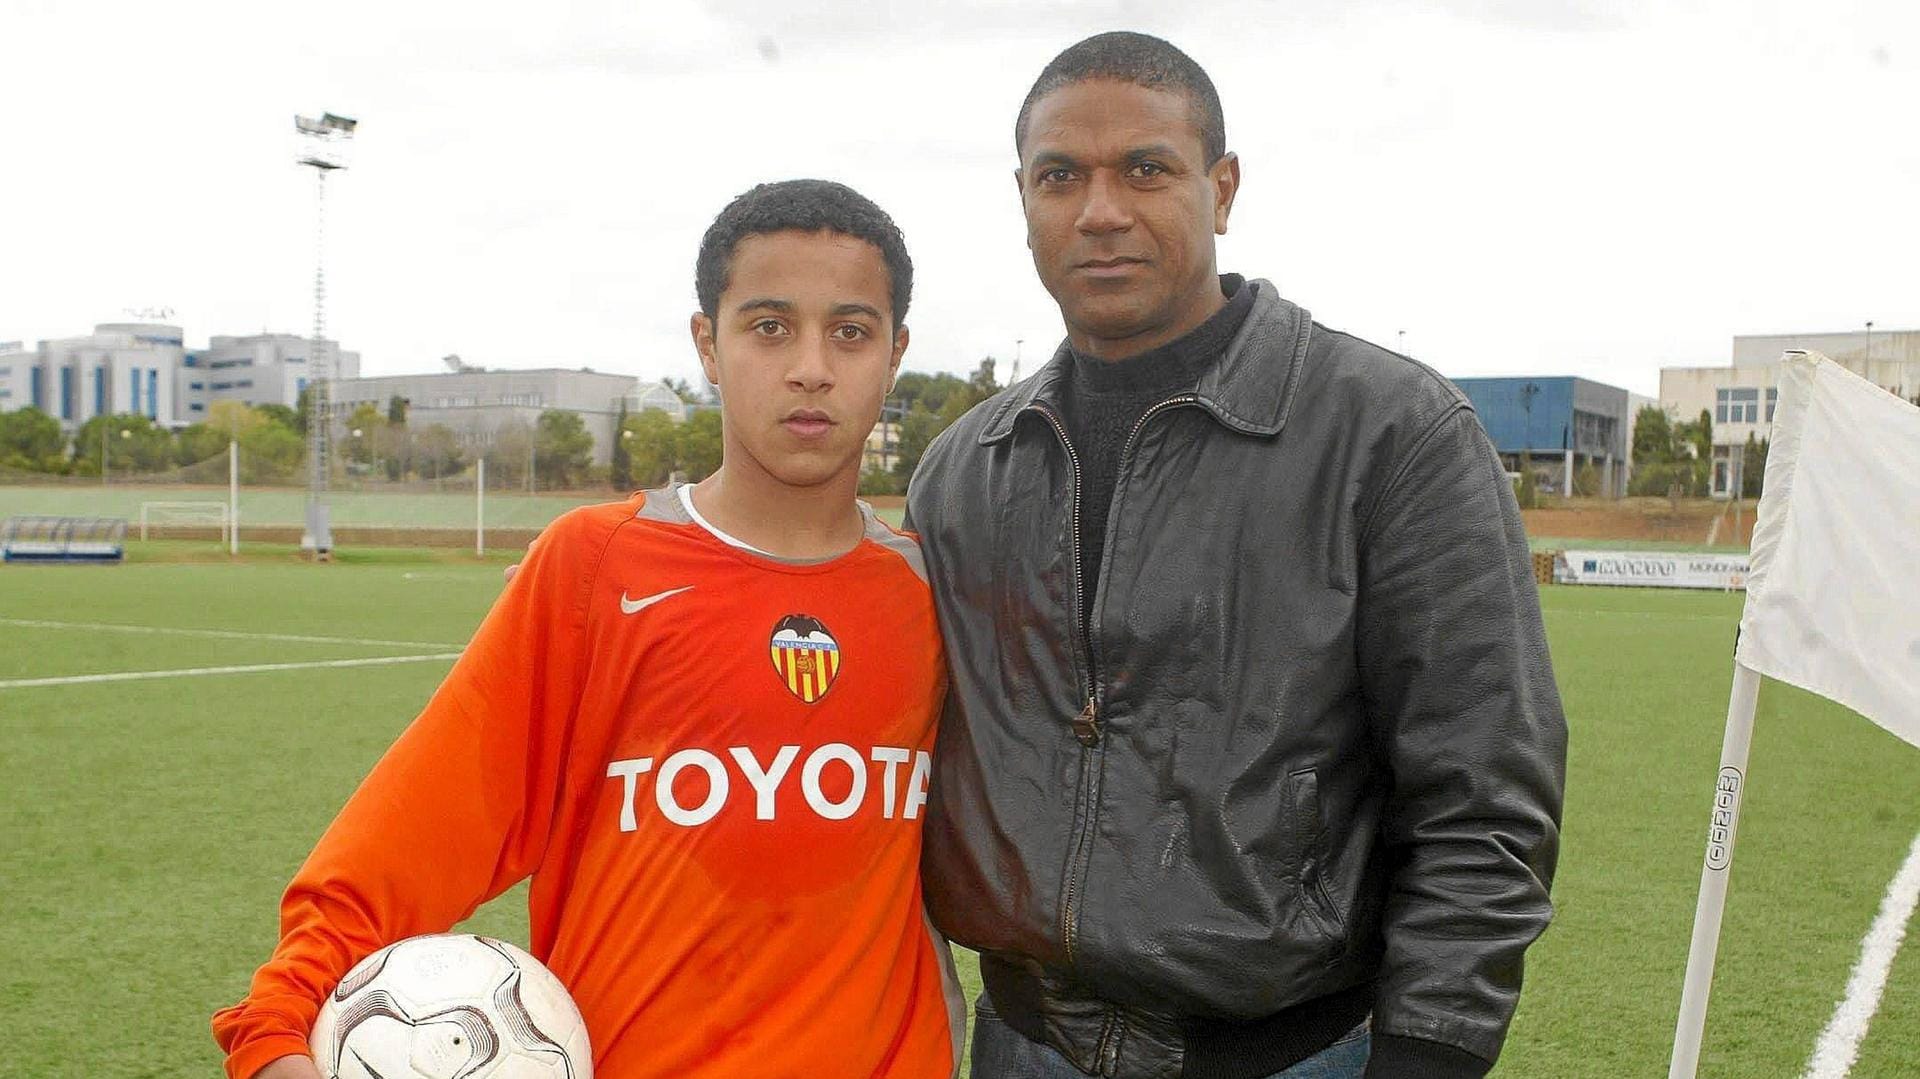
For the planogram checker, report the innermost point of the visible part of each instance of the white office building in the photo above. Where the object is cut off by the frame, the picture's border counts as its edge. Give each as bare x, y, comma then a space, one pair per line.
121, 367
261, 369
1742, 397
479, 405
144, 368
16, 367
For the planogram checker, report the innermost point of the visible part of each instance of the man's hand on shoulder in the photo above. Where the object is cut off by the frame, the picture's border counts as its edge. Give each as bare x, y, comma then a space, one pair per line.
515, 568
289, 1067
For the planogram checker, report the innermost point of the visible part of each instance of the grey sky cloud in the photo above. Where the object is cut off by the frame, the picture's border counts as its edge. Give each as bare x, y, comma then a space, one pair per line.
1578, 187
1564, 15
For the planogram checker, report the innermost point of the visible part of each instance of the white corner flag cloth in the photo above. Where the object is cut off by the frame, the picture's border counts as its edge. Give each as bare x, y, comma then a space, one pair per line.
1833, 596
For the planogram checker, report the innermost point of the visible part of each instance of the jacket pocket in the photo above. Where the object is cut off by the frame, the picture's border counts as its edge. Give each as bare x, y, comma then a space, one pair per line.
1303, 805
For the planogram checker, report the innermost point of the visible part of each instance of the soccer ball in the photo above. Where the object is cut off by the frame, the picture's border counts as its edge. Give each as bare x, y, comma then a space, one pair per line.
450, 1006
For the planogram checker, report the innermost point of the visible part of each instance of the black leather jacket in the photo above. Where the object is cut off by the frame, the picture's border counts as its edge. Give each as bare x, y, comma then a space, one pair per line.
1310, 739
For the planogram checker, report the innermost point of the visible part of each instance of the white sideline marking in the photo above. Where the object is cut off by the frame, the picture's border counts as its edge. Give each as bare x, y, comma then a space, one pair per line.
1839, 1044
134, 676
234, 634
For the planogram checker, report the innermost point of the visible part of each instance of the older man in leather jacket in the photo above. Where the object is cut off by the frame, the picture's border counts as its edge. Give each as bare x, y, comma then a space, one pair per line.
1253, 762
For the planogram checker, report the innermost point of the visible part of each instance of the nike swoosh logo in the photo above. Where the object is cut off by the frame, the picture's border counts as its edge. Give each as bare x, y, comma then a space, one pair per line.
635, 606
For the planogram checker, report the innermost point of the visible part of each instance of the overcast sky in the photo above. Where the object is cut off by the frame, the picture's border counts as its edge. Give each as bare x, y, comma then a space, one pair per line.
1591, 187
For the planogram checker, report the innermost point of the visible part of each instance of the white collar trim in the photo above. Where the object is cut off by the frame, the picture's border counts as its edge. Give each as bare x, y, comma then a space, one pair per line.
686, 502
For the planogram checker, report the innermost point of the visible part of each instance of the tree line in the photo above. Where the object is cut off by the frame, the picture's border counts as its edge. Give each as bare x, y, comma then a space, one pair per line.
920, 407
381, 444
1675, 457
652, 448
272, 443
370, 444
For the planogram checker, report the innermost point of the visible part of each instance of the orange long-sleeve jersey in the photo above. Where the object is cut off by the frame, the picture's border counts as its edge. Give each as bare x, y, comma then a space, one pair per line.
713, 764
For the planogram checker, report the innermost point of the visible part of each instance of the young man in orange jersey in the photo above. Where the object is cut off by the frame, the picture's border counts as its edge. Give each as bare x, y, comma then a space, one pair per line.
699, 720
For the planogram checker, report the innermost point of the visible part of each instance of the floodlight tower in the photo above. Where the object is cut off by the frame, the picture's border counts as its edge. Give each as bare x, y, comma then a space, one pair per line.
325, 142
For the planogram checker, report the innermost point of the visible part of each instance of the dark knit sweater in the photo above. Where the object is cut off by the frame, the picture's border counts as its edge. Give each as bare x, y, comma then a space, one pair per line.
1105, 398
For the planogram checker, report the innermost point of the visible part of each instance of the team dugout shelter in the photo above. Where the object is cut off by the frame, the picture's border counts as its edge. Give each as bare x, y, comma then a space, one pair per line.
1561, 424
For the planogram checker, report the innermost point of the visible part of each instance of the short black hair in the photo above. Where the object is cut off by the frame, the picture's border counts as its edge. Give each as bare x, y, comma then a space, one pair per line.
804, 206
1141, 59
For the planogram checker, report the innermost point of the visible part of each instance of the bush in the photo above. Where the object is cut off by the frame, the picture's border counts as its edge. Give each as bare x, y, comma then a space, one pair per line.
1753, 467
30, 435
437, 452
1586, 481
271, 454
697, 444
563, 450
1692, 477
1528, 491
881, 481
648, 442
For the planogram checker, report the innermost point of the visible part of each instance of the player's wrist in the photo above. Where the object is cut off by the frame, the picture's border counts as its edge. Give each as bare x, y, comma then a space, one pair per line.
291, 1065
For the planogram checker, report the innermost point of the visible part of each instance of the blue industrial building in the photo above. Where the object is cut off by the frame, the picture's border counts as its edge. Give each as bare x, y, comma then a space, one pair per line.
1560, 423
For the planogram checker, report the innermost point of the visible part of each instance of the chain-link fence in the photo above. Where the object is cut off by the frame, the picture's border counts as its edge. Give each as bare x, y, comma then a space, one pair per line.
423, 489
390, 482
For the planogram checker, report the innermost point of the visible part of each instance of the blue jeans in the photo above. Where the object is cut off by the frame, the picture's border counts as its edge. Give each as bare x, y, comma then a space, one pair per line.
1001, 1052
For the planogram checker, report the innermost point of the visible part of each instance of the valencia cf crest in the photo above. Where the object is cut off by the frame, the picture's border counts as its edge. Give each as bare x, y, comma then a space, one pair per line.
805, 656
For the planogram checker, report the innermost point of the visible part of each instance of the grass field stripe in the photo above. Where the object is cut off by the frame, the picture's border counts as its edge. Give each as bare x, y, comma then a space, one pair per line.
233, 634
1657, 616
1839, 1044
251, 668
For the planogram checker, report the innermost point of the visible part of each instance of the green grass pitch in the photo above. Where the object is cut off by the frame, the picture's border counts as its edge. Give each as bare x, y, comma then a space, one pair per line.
149, 826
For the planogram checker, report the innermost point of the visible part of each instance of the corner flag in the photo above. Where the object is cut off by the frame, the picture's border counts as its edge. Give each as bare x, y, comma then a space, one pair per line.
1831, 598
1830, 603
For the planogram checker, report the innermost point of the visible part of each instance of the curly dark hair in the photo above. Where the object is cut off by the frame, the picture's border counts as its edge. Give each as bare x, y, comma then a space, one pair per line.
1141, 59
806, 206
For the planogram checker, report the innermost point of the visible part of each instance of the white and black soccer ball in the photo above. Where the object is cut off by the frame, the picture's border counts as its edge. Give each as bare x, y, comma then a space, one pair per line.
450, 1006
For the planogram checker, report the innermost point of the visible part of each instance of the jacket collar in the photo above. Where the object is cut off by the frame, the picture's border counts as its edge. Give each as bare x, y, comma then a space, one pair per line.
1250, 390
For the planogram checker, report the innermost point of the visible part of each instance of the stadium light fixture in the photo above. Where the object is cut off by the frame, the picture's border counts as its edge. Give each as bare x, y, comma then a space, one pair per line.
327, 137
325, 143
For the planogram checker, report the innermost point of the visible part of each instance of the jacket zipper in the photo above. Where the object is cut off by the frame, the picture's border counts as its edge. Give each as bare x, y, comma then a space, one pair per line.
1086, 726
1088, 717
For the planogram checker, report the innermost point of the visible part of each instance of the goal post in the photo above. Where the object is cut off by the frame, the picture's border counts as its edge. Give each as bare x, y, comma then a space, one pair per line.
187, 514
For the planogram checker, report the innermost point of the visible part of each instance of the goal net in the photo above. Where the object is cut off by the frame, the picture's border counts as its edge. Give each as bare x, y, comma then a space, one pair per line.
174, 516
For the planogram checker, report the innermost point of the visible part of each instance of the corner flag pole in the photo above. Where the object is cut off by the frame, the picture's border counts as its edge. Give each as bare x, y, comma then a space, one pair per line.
1727, 794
